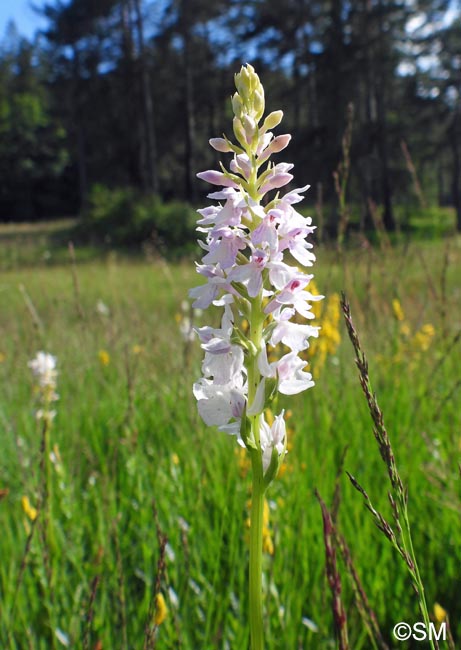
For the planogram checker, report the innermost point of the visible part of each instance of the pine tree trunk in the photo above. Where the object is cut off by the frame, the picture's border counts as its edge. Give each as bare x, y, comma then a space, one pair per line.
77, 119
189, 153
150, 145
456, 178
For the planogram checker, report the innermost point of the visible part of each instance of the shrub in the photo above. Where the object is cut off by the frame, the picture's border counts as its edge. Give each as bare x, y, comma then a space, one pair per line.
126, 217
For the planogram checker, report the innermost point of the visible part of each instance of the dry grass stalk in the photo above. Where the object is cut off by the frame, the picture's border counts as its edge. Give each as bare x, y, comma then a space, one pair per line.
76, 284
361, 600
36, 320
334, 579
121, 600
320, 219
341, 176
377, 218
150, 627
414, 176
90, 612
398, 497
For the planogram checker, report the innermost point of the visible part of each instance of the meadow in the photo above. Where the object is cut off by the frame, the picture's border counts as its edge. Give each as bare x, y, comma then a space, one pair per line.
145, 499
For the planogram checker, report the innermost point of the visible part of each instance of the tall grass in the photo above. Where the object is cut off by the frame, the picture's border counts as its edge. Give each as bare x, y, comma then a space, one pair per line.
146, 500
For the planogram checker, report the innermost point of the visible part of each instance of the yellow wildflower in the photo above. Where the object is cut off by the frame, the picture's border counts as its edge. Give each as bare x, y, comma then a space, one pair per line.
405, 330
30, 511
104, 357
243, 461
328, 315
161, 610
269, 416
266, 513
175, 458
423, 337
282, 469
268, 545
317, 305
397, 309
2, 357
137, 349
440, 615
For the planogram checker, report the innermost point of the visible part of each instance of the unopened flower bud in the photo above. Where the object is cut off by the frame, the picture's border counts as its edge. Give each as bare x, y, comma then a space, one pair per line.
249, 125
237, 105
216, 178
259, 103
272, 120
278, 144
239, 131
243, 82
220, 145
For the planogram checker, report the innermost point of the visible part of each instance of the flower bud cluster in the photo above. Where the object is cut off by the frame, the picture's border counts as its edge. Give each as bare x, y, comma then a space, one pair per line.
248, 273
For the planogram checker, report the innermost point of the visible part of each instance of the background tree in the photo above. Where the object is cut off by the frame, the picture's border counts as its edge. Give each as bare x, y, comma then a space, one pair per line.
126, 93
33, 156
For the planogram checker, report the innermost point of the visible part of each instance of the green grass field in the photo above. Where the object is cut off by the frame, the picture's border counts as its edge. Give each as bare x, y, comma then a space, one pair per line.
133, 464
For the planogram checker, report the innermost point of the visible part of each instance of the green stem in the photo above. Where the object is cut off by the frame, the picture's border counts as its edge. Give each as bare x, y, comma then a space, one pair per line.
257, 495
48, 494
256, 321
47, 532
256, 541
419, 583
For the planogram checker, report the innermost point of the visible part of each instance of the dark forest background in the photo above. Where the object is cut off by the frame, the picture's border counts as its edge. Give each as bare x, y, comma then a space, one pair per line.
118, 98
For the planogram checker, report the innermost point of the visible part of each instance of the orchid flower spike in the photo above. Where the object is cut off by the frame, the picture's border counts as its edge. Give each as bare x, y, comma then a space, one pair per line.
255, 249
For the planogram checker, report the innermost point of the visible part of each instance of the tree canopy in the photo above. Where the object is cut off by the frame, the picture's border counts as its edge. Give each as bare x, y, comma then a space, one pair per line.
126, 93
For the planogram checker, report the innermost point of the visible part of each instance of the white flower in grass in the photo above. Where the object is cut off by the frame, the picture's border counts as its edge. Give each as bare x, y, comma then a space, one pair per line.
43, 368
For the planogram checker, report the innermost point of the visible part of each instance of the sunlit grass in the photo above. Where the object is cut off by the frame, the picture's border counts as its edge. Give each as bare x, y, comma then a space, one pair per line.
128, 443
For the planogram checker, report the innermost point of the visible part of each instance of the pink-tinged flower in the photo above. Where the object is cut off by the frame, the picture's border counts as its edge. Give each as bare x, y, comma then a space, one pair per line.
218, 404
289, 372
275, 146
277, 178
293, 231
224, 367
209, 215
280, 274
216, 178
294, 335
264, 141
295, 196
266, 234
292, 378
224, 244
215, 340
251, 274
241, 165
293, 294
220, 145
272, 437
205, 294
